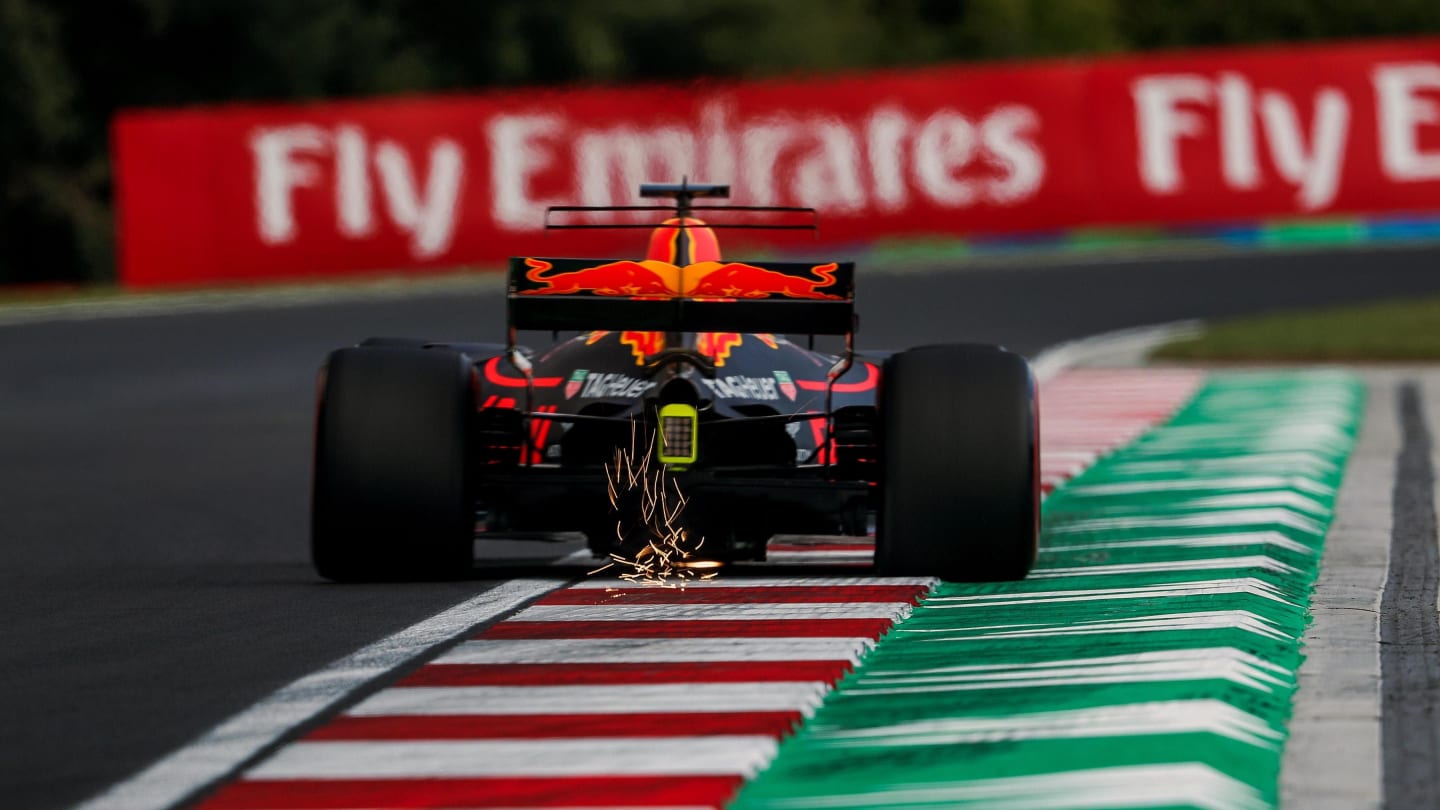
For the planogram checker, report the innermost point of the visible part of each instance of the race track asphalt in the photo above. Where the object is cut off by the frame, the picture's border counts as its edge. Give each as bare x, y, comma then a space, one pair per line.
154, 472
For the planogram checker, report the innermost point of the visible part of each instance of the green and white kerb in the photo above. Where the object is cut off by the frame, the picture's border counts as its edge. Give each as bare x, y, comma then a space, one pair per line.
1151, 658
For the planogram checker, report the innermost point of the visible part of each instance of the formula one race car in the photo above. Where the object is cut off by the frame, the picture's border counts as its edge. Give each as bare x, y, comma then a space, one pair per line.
683, 358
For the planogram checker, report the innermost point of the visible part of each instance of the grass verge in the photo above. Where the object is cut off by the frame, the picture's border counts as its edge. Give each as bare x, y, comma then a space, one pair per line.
1390, 330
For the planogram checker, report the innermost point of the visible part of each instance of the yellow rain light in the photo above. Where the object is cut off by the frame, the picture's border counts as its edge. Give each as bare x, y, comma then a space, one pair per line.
679, 444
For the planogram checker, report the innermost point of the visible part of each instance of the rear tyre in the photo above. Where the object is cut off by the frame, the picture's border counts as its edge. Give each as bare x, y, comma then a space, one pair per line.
960, 491
392, 494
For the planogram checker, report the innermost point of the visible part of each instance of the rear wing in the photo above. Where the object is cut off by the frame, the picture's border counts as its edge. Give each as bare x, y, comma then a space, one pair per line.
590, 294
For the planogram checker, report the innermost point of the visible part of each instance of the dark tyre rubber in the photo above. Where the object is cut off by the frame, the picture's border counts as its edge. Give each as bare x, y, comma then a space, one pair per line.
960, 493
392, 493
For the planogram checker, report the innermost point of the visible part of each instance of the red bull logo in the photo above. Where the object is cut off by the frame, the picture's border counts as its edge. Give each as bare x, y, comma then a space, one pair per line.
635, 279
737, 280
656, 279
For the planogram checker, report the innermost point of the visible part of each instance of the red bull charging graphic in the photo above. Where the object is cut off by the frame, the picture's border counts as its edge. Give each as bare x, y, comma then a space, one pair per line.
718, 345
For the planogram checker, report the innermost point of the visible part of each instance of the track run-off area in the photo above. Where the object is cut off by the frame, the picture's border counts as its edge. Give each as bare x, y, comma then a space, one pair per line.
1149, 661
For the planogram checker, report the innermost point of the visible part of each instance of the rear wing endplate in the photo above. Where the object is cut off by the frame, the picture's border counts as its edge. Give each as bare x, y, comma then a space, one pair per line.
591, 294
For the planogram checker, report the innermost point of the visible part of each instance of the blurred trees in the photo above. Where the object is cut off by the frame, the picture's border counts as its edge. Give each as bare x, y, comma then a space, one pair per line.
67, 65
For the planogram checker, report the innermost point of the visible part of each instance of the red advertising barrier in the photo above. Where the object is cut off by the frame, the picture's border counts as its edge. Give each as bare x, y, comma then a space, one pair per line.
250, 193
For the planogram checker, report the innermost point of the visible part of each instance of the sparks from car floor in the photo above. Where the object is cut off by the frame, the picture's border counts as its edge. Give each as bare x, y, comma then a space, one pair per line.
663, 550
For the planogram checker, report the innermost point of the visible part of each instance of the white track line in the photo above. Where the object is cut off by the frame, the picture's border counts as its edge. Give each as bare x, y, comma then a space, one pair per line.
226, 747
1124, 345
751, 611
654, 650
711, 755
1334, 758
863, 555
762, 696
749, 582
